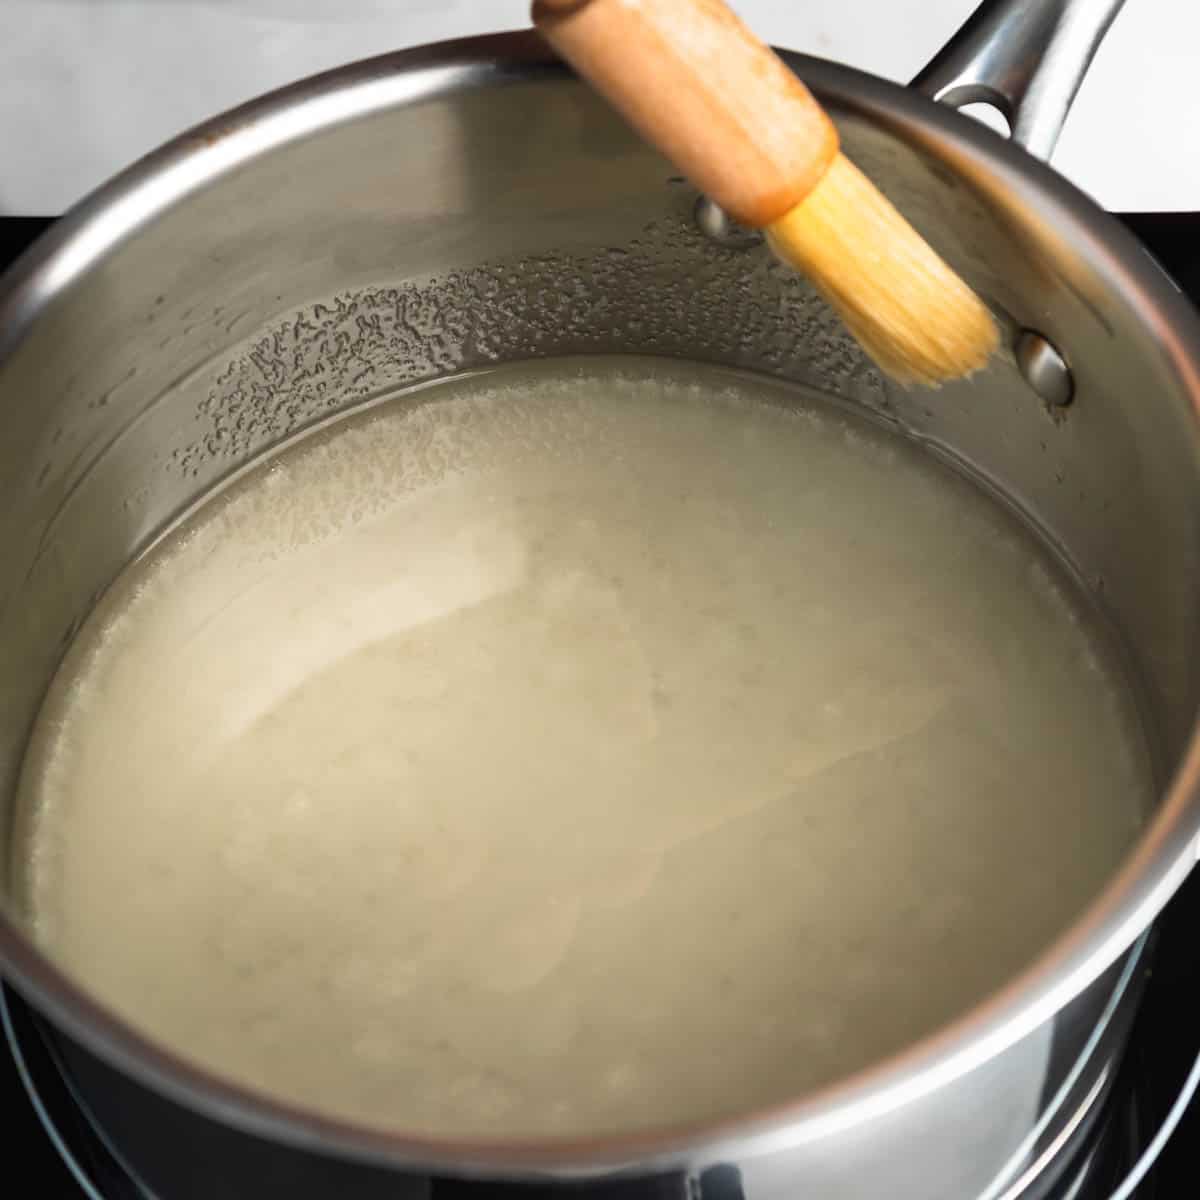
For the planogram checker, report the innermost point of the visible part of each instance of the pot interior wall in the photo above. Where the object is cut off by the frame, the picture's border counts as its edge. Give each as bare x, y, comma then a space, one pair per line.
444, 230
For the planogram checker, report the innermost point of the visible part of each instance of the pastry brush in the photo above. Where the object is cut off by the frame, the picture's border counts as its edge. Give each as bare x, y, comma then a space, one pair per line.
693, 80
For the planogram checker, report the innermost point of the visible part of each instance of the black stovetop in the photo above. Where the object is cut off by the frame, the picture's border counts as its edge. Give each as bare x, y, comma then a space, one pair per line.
1166, 1035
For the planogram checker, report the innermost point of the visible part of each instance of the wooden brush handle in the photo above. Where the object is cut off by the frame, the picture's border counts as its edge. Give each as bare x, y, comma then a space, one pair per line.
692, 79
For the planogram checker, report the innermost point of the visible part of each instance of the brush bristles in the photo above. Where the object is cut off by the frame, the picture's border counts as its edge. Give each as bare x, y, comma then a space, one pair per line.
912, 314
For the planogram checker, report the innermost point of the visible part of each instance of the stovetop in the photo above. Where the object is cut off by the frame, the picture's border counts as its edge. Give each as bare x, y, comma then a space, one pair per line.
1164, 1043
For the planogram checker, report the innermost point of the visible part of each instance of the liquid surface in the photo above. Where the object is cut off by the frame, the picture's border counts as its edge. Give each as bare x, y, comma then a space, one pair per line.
572, 749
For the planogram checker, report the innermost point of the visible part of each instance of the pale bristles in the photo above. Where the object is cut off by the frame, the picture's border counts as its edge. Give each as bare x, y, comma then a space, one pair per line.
911, 313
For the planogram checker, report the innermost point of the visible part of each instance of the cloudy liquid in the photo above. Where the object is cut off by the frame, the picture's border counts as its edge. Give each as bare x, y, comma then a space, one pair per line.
581, 747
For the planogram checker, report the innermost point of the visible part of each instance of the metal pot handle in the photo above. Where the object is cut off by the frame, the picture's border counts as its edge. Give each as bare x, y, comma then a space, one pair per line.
1027, 58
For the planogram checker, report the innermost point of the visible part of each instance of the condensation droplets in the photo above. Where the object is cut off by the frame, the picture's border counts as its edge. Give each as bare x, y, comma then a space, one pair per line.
668, 292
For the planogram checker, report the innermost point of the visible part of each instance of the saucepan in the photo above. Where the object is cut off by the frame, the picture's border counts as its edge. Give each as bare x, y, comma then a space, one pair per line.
433, 211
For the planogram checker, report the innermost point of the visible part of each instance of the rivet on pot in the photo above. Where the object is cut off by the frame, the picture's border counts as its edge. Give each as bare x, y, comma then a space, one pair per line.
1044, 369
714, 223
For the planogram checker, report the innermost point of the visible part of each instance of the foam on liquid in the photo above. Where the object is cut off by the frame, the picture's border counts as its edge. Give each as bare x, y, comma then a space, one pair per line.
581, 747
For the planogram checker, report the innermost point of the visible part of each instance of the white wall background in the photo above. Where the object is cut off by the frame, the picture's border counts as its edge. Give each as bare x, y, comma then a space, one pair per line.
86, 86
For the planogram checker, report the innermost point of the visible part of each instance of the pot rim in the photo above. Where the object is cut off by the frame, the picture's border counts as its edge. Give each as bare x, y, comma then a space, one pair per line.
1150, 874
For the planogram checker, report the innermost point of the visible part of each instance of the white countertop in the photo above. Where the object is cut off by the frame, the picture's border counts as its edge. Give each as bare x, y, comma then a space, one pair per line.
86, 86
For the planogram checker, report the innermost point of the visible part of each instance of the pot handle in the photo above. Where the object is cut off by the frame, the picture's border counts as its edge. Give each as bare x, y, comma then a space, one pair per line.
1026, 58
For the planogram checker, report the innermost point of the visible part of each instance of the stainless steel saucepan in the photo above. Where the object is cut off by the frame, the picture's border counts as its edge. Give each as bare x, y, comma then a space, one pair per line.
437, 210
